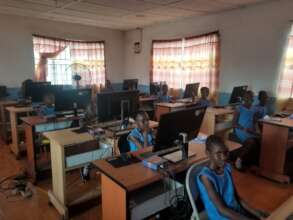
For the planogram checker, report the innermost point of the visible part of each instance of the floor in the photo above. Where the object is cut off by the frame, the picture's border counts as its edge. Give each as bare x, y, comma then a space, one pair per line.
258, 192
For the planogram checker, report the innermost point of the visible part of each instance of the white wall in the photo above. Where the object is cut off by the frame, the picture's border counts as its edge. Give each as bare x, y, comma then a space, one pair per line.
16, 48
252, 43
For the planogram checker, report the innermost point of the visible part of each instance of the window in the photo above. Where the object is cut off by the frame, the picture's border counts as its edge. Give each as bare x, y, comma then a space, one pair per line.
57, 61
285, 87
189, 60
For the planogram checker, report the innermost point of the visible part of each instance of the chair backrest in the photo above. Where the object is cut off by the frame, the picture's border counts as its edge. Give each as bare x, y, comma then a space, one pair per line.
123, 144
191, 185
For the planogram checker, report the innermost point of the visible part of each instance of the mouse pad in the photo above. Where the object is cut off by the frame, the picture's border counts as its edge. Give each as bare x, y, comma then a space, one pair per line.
121, 162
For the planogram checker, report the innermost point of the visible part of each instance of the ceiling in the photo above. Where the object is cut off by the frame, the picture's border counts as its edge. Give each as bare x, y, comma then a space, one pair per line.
119, 14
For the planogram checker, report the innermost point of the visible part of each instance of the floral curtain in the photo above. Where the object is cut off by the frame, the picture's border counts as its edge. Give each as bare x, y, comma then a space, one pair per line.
285, 87
56, 61
186, 61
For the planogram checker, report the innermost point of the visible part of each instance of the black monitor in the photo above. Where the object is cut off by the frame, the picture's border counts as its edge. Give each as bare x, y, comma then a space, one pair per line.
191, 90
130, 84
3, 91
70, 99
173, 123
111, 104
154, 88
35, 91
237, 94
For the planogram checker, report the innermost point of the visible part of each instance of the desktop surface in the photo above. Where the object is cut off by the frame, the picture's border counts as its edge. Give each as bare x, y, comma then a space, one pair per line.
136, 175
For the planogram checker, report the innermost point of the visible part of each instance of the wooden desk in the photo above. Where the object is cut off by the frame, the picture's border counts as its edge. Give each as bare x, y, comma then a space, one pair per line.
115, 133
14, 112
217, 120
39, 124
283, 211
274, 146
70, 150
4, 120
119, 183
163, 108
147, 104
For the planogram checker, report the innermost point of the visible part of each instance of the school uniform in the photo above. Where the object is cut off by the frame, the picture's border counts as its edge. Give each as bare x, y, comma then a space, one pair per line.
246, 120
260, 111
204, 103
223, 185
138, 135
164, 98
47, 111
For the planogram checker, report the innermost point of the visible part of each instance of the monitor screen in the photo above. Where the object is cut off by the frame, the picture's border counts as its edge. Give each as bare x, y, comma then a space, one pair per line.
171, 124
110, 104
237, 94
130, 84
191, 90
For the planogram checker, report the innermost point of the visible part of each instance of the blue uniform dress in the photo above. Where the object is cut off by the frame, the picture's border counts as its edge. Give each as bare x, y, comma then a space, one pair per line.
223, 185
136, 133
246, 120
47, 111
260, 110
164, 98
204, 103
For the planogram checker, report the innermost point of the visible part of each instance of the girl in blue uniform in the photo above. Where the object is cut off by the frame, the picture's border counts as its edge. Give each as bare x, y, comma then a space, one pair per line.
204, 94
244, 124
216, 188
48, 108
164, 97
141, 136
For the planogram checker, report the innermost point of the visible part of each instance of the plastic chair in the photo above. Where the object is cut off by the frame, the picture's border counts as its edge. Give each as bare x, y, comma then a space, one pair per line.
123, 144
192, 191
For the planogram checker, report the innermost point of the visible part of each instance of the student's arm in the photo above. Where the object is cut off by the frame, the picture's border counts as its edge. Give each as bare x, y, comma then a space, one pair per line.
235, 120
225, 211
135, 141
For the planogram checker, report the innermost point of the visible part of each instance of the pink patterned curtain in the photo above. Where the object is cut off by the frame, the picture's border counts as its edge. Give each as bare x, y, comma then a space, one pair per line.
166, 62
201, 61
285, 88
184, 61
58, 60
44, 49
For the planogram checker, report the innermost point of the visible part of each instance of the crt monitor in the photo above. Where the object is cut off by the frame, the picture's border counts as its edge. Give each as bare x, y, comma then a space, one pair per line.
155, 88
117, 105
130, 84
171, 124
191, 90
237, 94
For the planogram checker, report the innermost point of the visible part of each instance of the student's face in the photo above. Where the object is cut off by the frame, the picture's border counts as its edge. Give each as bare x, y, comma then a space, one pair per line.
205, 93
248, 99
165, 90
218, 155
263, 99
142, 122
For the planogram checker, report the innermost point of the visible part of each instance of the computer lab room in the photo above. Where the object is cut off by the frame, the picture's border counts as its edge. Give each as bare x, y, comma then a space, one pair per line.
146, 109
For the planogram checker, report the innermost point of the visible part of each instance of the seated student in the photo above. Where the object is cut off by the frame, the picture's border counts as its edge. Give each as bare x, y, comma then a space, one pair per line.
216, 187
244, 124
108, 86
141, 136
164, 97
48, 109
261, 108
204, 94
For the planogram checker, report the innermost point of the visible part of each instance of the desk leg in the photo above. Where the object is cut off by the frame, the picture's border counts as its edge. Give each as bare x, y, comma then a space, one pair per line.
58, 194
114, 200
14, 133
273, 152
31, 154
208, 124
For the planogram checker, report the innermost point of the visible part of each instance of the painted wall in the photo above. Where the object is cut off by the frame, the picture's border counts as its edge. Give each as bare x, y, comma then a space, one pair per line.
16, 48
252, 43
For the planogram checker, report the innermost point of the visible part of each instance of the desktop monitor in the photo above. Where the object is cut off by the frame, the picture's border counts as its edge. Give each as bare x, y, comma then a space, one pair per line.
155, 88
117, 105
173, 123
3, 91
191, 90
37, 90
70, 99
237, 94
130, 84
